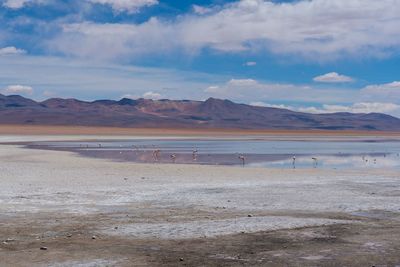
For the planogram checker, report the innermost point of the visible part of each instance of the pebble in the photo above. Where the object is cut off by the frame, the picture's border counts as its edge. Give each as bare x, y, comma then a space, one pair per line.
249, 215
180, 259
43, 248
94, 237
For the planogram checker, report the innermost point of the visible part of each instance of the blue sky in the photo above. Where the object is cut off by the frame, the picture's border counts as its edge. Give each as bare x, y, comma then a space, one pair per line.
314, 56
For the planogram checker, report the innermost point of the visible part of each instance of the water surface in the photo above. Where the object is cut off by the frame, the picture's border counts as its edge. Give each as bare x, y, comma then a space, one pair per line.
334, 154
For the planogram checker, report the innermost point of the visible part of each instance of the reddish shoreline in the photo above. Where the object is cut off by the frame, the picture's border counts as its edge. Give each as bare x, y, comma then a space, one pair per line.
84, 130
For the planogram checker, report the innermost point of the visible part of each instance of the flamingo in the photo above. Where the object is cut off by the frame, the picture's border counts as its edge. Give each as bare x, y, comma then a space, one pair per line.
194, 154
156, 154
242, 158
315, 162
173, 157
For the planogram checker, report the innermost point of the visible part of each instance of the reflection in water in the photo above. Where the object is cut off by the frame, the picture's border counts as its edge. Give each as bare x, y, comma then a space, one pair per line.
252, 153
336, 162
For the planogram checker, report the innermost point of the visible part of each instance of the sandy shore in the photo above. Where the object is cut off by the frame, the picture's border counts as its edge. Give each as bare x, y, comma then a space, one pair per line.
93, 212
45, 130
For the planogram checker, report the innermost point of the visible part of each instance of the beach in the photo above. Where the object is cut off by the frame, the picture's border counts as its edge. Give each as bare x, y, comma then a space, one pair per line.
58, 208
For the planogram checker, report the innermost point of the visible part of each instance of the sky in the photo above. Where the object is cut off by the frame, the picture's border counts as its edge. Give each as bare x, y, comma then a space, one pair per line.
318, 56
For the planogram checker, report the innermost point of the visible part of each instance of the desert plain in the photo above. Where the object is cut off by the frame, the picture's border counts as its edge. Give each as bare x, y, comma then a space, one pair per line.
58, 208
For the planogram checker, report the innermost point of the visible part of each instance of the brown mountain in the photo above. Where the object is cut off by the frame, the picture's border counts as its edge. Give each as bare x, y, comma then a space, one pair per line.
212, 113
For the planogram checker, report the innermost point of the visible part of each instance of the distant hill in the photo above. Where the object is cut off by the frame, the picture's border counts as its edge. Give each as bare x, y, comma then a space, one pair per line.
212, 113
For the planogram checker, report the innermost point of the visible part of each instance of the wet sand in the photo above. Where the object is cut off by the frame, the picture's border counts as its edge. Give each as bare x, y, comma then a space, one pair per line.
95, 212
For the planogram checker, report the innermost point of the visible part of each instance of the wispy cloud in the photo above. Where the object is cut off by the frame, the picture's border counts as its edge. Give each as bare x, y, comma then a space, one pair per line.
250, 90
363, 107
130, 6
53, 76
202, 10
382, 92
17, 4
263, 104
250, 63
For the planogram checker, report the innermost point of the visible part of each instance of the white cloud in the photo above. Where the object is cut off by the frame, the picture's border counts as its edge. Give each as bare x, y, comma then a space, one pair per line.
11, 50
382, 92
17, 4
333, 77
18, 89
242, 82
362, 107
201, 10
311, 110
152, 95
212, 89
250, 90
263, 104
113, 41
259, 104
130, 6
250, 63
317, 29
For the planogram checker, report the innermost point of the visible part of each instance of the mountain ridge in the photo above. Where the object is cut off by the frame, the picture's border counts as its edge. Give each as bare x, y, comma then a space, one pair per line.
211, 113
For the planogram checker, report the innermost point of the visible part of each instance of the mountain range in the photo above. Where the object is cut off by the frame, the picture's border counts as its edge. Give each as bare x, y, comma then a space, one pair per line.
212, 113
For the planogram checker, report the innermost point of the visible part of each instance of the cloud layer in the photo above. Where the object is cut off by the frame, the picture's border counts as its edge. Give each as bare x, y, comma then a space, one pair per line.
317, 30
250, 90
382, 92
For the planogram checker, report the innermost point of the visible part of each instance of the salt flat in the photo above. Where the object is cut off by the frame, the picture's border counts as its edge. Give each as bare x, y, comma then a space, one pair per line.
63, 201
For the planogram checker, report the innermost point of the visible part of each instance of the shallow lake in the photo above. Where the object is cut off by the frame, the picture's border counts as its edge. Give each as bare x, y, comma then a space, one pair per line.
250, 152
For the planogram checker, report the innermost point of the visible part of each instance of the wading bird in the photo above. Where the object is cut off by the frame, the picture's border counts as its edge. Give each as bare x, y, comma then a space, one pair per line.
243, 159
315, 163
173, 157
194, 154
156, 154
